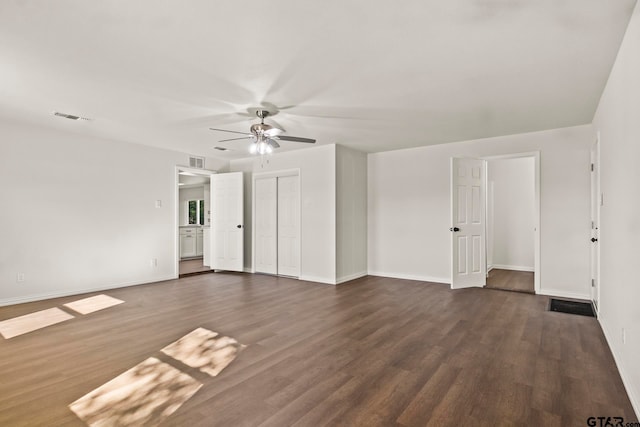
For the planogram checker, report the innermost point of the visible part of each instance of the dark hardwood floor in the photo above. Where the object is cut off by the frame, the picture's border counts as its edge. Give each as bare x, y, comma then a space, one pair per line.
192, 267
510, 280
373, 352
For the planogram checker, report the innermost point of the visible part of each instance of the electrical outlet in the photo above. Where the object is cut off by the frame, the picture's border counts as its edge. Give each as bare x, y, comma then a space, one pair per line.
624, 336
20, 277
154, 262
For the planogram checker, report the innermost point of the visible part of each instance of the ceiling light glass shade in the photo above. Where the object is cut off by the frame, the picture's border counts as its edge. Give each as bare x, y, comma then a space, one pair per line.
261, 147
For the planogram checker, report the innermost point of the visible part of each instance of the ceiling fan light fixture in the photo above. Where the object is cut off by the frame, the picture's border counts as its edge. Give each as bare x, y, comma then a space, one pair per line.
261, 146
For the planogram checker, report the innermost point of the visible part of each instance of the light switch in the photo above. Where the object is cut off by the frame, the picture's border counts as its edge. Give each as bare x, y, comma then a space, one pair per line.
158, 203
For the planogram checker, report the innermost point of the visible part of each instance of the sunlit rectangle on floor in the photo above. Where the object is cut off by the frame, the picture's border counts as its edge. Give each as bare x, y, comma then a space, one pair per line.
204, 350
31, 322
144, 395
91, 304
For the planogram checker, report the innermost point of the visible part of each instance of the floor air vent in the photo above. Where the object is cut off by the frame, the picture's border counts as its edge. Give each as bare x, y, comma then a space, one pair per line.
571, 307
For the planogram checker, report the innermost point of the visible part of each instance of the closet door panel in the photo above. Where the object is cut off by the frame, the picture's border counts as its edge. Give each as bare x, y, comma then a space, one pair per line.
288, 227
266, 223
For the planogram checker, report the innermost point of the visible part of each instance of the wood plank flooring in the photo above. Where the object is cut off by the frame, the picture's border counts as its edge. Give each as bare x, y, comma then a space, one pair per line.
373, 352
192, 267
510, 280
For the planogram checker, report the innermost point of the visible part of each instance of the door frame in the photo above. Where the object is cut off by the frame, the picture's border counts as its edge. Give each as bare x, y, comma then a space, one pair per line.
596, 203
176, 220
536, 211
275, 174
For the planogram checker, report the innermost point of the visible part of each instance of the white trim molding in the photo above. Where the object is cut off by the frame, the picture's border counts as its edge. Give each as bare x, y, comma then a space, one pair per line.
51, 295
350, 277
421, 278
512, 267
626, 379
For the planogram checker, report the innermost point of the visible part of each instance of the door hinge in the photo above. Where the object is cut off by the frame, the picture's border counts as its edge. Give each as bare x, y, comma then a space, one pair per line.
591, 167
593, 225
593, 283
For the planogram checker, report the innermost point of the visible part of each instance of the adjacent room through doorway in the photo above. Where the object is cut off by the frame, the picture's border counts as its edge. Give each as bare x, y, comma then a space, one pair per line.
194, 220
511, 224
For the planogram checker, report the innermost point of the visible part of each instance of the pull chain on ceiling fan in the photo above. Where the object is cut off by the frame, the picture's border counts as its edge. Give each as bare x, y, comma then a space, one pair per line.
264, 135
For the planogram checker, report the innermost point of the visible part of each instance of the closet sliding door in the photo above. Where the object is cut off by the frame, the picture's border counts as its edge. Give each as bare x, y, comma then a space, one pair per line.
266, 223
288, 226
277, 225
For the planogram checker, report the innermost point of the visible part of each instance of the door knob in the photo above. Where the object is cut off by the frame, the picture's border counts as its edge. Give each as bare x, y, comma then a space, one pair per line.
454, 229
593, 239
239, 226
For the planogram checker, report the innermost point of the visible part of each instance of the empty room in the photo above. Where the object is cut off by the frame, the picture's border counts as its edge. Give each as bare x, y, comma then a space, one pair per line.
416, 213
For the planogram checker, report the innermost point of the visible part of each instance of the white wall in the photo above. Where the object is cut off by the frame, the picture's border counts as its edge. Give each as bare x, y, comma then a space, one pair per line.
618, 120
511, 230
78, 214
409, 207
351, 214
318, 206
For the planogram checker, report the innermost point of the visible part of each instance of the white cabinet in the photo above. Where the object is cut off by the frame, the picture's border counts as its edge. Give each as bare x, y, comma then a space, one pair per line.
188, 242
199, 241
191, 242
206, 250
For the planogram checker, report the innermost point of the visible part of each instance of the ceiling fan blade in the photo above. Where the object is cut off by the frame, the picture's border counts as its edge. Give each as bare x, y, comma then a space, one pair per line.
273, 143
231, 131
296, 139
274, 132
235, 139
276, 125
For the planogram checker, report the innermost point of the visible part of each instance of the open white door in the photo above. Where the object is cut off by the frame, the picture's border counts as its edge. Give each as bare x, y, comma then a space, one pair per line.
595, 223
227, 217
468, 182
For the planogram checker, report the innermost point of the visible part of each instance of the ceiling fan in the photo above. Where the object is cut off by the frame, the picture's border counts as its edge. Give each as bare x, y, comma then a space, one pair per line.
265, 137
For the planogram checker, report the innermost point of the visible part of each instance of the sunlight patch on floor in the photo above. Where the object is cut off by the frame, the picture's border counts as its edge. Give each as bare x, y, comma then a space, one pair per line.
204, 350
144, 395
31, 322
92, 304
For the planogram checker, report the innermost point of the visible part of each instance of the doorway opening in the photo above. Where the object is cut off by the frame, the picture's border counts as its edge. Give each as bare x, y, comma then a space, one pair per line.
193, 221
512, 226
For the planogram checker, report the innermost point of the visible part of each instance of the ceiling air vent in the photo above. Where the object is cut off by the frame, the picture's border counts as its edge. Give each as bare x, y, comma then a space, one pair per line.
69, 116
196, 162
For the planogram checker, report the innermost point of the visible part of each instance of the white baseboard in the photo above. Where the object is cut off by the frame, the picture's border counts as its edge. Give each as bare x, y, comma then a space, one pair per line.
317, 279
512, 267
421, 278
563, 294
350, 277
633, 394
58, 294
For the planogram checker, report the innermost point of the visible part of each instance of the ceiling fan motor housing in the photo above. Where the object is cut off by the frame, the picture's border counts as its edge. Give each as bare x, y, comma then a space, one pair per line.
260, 128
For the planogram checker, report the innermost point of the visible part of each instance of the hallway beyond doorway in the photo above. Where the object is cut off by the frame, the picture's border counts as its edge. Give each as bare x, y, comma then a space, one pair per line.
510, 280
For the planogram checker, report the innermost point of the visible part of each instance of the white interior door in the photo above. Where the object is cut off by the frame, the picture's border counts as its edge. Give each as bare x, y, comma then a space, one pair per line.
468, 183
288, 226
595, 223
227, 216
266, 232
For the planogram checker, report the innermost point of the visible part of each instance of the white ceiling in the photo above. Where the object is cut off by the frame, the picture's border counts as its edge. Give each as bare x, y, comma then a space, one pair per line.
373, 75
